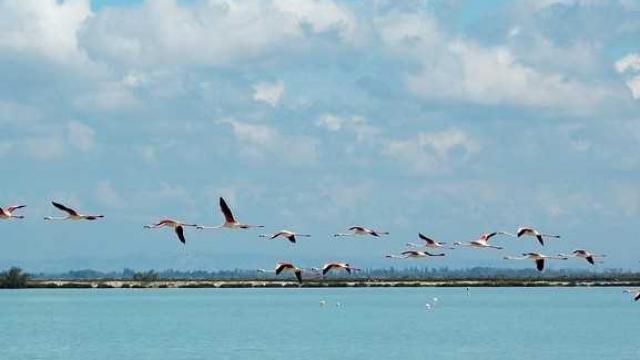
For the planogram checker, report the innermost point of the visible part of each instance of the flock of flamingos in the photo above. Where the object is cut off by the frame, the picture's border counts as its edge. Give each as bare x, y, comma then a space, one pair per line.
417, 251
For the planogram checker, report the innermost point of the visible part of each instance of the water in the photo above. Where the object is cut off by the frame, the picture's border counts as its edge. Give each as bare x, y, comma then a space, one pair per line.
390, 323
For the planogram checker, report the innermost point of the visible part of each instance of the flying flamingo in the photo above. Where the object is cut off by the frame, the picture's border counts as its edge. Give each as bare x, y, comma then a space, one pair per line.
229, 221
430, 243
481, 242
361, 230
536, 257
581, 253
288, 267
337, 266
7, 212
71, 214
635, 292
289, 235
176, 225
413, 254
528, 231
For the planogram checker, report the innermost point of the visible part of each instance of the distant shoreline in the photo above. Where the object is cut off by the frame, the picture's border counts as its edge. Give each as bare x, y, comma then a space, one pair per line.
338, 283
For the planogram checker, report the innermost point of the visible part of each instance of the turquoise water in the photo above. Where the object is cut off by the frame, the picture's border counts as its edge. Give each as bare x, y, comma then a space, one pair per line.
488, 323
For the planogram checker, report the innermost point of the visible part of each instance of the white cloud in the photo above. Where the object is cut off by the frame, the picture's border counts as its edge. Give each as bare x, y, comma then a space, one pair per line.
346, 195
566, 204
215, 32
134, 79
433, 151
13, 113
630, 63
268, 93
321, 15
634, 86
80, 135
492, 76
455, 68
254, 134
45, 148
260, 141
330, 122
46, 27
107, 95
108, 195
355, 123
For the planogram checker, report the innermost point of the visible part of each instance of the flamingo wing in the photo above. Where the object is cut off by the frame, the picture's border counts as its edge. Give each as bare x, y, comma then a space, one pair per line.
281, 266
327, 268
430, 254
65, 209
15, 207
180, 233
428, 240
490, 235
228, 215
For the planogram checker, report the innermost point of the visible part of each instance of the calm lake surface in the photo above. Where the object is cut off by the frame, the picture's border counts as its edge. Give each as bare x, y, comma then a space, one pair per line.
370, 323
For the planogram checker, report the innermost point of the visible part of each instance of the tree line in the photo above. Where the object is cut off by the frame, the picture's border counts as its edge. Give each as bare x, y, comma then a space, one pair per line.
390, 273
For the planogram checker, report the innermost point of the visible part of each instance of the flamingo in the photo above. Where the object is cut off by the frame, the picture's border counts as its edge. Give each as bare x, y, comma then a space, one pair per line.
289, 235
71, 214
361, 230
337, 266
176, 225
585, 255
528, 231
635, 292
7, 212
284, 266
430, 243
229, 221
536, 257
481, 242
413, 254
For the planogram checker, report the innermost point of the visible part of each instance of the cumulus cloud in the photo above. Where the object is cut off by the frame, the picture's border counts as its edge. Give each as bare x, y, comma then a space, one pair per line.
630, 64
46, 27
81, 136
268, 93
455, 68
257, 141
492, 76
216, 32
433, 151
355, 123
107, 95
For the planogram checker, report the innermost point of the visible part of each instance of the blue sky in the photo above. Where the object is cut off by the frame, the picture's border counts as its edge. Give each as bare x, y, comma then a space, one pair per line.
449, 118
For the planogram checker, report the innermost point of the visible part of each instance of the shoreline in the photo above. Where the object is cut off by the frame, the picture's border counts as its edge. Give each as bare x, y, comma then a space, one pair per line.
341, 283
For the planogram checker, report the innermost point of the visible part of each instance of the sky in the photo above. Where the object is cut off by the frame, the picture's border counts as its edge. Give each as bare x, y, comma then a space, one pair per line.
449, 118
